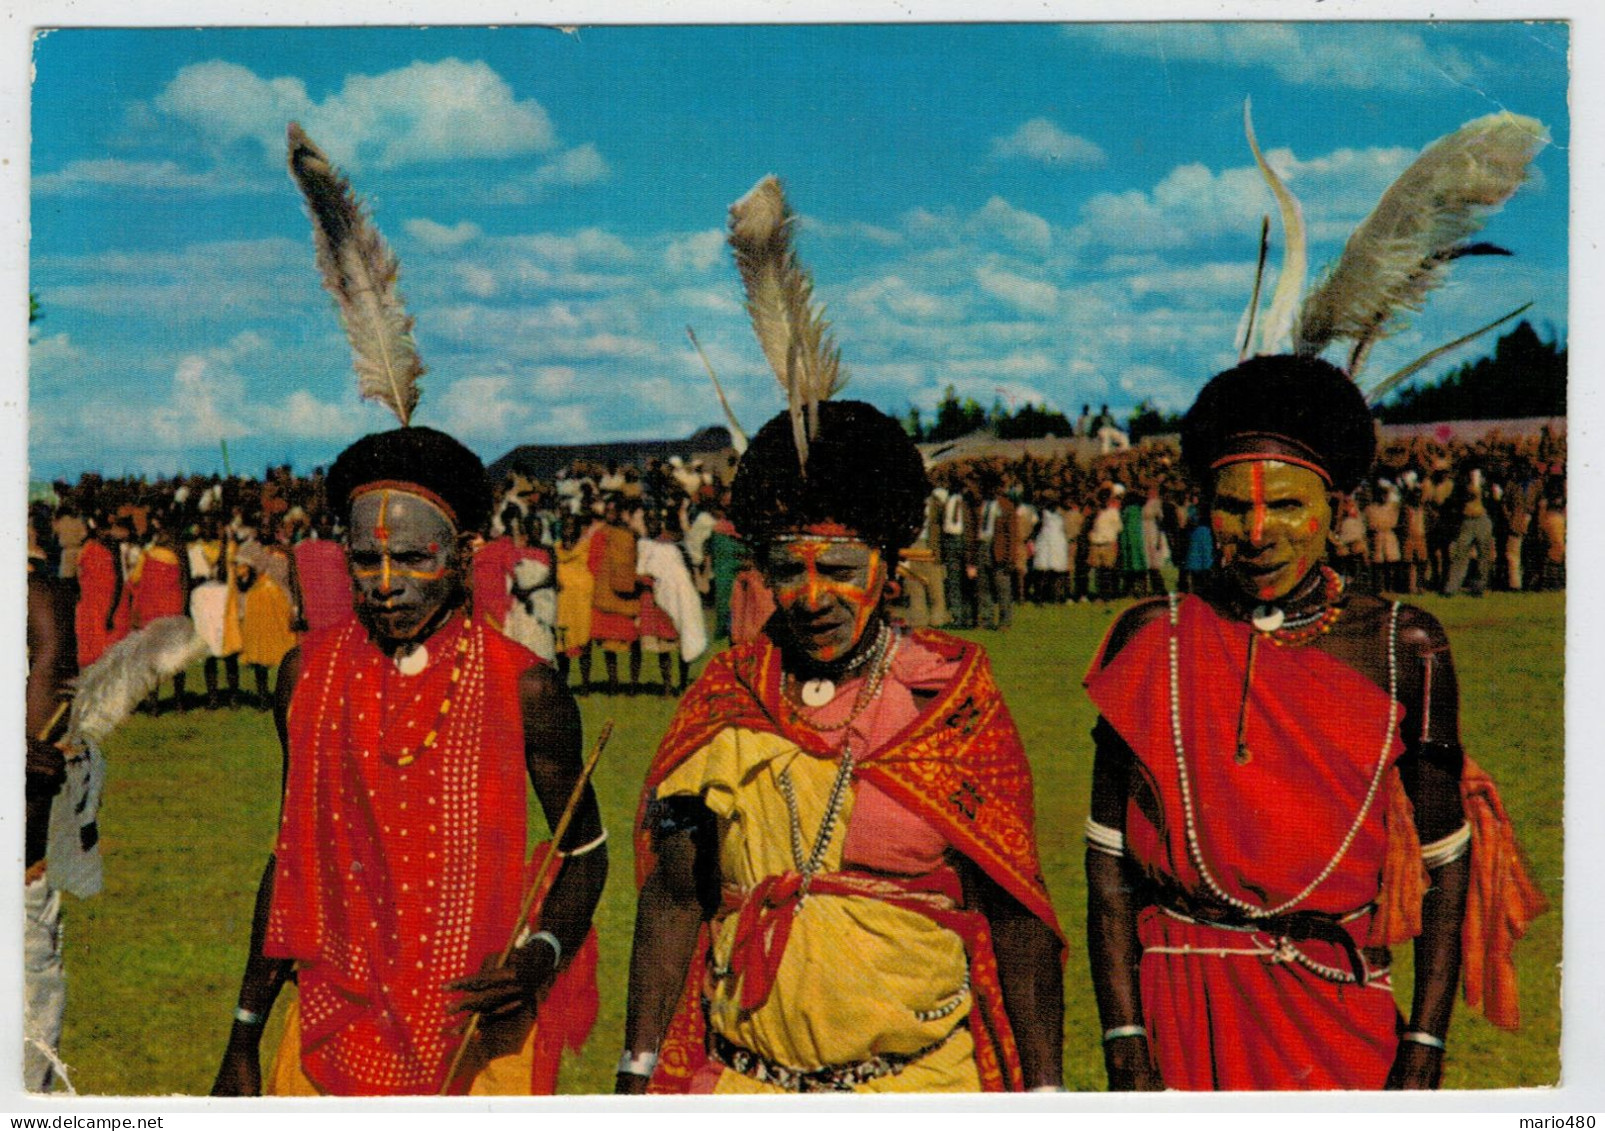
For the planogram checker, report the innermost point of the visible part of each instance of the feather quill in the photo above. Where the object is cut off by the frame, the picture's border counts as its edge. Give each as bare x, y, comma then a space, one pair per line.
360, 271
108, 690
1259, 280
1277, 326
1385, 386
1402, 250
738, 436
794, 335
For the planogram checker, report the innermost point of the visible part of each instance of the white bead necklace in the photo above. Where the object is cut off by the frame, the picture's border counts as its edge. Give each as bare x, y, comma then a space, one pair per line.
1193, 849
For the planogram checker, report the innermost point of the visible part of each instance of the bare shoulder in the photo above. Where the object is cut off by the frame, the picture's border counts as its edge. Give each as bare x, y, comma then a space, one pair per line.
540, 688
1419, 631
1131, 622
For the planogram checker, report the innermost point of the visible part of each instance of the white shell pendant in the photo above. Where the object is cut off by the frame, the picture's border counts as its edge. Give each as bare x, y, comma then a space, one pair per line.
1268, 618
818, 692
414, 661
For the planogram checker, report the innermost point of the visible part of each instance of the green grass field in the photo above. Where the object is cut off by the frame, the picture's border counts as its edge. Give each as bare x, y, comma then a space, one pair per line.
192, 805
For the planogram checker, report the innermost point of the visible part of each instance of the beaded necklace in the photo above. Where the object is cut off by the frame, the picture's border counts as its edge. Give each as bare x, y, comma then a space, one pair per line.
874, 656
807, 866
432, 738
1193, 849
1270, 623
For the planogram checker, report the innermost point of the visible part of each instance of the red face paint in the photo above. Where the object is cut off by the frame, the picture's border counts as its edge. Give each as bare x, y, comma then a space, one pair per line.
1256, 526
807, 591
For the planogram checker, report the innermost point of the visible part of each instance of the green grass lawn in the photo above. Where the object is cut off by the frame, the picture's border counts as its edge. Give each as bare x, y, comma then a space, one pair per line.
192, 805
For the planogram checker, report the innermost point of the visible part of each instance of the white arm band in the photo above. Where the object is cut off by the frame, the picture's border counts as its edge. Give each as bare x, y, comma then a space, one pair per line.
1447, 850
588, 847
1102, 838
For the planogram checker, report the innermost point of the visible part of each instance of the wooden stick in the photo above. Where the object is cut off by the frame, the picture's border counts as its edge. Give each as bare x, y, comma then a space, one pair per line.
528, 904
61, 710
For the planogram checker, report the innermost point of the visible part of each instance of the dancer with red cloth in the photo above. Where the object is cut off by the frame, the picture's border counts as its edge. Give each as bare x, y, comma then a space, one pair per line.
104, 614
399, 872
1278, 759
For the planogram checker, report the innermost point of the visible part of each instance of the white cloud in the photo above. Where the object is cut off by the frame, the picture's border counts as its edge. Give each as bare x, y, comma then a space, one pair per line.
423, 112
1025, 230
440, 237
1352, 56
582, 165
1193, 203
116, 175
697, 252
54, 350
1032, 296
1041, 139
304, 416
225, 279
849, 231
894, 297
484, 408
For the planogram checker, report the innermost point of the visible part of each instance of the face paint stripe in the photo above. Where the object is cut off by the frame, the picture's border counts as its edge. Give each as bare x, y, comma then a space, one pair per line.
1256, 531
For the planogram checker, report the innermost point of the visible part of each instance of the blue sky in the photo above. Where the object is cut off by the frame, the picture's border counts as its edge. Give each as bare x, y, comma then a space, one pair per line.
1063, 214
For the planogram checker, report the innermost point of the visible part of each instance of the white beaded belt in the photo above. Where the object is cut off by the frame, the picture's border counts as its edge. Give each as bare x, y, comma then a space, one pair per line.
831, 1078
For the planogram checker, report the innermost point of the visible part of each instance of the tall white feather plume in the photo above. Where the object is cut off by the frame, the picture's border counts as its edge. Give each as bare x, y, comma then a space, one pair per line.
360, 271
794, 335
1276, 329
1402, 250
108, 690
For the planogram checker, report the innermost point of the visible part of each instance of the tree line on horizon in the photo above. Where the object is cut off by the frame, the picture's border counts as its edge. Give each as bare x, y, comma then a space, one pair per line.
1524, 376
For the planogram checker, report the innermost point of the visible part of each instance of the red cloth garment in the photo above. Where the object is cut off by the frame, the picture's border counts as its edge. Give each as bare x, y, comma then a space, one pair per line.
97, 583
957, 766
161, 588
493, 567
1502, 901
320, 566
653, 620
1257, 1016
393, 878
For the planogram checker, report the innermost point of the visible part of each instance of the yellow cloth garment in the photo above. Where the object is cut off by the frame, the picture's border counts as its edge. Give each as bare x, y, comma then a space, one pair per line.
508, 1075
574, 588
856, 971
266, 612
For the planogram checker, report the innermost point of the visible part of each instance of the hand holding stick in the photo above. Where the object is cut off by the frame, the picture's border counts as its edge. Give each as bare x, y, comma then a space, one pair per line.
527, 905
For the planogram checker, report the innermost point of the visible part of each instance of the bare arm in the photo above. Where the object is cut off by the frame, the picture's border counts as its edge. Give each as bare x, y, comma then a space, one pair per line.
670, 911
1431, 769
1112, 905
51, 664
552, 737
1031, 976
240, 1074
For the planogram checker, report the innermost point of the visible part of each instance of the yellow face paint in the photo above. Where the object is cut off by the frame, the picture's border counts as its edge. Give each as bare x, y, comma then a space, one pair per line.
828, 589
1270, 520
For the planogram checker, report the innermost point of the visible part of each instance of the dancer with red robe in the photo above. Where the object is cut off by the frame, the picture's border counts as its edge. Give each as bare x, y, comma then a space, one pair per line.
1278, 759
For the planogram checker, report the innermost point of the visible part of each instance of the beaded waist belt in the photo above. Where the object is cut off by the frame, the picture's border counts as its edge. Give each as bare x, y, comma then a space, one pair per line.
832, 1078
1296, 926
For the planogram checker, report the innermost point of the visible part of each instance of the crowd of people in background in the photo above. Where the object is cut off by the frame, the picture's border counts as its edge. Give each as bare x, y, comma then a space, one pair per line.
629, 562
1444, 517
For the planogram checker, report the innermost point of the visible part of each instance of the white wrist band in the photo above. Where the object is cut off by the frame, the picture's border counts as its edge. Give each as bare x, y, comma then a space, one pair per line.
587, 847
1120, 1031
246, 1017
637, 1063
525, 938
1416, 1036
